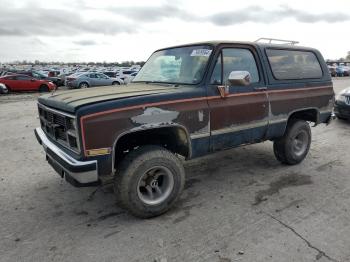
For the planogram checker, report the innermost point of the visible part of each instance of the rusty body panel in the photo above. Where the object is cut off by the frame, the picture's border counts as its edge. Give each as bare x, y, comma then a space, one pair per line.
283, 102
190, 114
207, 121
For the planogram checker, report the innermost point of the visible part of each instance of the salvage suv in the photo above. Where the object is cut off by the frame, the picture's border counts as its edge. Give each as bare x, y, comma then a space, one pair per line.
187, 101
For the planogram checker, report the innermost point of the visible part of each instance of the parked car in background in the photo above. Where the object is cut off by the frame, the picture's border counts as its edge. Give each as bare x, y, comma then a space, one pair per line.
26, 83
3, 89
125, 74
110, 74
332, 70
37, 75
342, 104
129, 78
343, 70
85, 80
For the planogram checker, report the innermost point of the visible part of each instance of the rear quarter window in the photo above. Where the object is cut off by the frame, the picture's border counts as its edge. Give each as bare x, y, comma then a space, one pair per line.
293, 64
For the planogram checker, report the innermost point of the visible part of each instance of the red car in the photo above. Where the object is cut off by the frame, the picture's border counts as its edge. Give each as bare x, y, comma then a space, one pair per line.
26, 83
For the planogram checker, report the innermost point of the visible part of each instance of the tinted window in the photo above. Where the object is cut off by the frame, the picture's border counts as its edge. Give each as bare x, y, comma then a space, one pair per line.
11, 78
127, 72
235, 59
291, 64
23, 78
102, 76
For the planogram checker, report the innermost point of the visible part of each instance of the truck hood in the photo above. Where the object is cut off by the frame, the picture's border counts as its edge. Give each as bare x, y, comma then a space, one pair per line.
70, 100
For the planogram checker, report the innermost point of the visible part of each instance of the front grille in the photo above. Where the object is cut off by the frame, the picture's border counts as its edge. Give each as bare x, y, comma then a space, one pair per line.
59, 127
347, 100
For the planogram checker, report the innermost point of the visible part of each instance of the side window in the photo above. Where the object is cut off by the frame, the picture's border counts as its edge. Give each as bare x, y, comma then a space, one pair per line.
92, 76
293, 64
238, 59
234, 59
102, 76
26, 78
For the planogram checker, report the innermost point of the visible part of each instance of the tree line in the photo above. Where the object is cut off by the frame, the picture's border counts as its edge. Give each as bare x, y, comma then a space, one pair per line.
105, 64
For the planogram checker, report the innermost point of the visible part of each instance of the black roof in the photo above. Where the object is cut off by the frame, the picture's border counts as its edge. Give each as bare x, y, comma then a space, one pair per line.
256, 44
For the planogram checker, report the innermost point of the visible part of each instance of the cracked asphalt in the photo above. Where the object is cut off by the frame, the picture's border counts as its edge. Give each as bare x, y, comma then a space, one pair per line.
238, 205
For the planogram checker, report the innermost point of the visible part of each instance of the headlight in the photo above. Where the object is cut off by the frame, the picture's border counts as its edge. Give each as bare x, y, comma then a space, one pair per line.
340, 98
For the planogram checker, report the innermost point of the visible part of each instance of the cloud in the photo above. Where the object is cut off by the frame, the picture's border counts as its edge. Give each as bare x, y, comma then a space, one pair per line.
154, 13
85, 42
259, 15
249, 14
40, 21
55, 22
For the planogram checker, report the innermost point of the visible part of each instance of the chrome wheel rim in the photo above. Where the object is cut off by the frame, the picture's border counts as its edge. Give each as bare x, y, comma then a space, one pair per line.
299, 143
155, 185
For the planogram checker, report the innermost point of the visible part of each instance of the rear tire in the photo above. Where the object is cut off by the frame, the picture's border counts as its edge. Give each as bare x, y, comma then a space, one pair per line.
293, 147
149, 181
83, 85
44, 88
6, 92
116, 83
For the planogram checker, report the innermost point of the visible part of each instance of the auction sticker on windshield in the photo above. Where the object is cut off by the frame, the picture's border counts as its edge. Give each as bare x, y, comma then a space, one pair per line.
201, 52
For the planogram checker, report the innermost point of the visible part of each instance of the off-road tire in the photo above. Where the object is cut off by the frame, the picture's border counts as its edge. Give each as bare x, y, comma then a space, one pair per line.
133, 167
284, 147
44, 88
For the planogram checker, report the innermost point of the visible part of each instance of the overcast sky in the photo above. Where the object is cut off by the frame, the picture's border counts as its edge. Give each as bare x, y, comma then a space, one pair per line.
114, 30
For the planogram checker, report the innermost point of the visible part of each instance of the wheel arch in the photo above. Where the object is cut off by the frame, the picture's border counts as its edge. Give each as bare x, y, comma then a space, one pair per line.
165, 133
311, 114
43, 88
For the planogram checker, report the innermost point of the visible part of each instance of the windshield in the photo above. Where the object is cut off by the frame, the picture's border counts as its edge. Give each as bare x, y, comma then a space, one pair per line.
182, 65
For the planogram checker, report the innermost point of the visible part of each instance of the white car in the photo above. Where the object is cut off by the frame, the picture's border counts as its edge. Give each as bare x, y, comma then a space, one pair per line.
129, 78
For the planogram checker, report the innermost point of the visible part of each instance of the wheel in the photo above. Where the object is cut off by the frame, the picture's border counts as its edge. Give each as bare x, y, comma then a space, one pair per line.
116, 83
293, 147
43, 88
83, 85
5, 91
149, 181
341, 117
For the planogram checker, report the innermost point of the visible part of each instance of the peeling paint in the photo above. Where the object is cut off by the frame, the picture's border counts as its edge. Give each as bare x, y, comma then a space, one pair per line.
154, 115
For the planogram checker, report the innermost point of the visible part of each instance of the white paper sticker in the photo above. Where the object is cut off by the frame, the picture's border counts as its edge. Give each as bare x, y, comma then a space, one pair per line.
201, 52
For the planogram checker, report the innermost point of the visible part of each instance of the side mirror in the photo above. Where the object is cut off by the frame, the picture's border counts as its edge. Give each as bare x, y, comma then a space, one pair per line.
239, 78
33, 79
236, 78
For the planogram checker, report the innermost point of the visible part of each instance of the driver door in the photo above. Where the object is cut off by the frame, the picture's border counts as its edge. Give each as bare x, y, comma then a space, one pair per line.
242, 116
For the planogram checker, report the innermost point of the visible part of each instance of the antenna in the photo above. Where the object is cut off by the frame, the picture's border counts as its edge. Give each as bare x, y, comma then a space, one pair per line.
279, 41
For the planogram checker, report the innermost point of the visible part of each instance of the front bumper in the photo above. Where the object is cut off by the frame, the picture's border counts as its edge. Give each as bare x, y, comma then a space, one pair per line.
77, 173
342, 110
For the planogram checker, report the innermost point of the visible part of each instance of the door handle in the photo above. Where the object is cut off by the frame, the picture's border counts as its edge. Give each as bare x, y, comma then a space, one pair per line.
260, 88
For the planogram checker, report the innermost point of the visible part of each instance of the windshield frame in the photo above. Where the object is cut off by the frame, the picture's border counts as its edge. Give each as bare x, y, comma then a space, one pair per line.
182, 46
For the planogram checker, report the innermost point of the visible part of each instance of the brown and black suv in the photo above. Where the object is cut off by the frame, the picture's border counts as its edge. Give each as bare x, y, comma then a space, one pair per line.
187, 101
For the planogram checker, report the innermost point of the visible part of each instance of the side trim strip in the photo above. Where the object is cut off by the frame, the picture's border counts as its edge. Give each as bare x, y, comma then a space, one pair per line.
239, 128
196, 136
